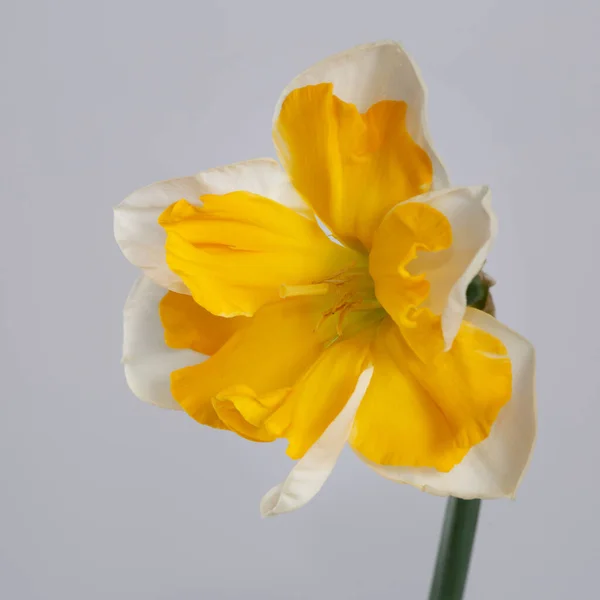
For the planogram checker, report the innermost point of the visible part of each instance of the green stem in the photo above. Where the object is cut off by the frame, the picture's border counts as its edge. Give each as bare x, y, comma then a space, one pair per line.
454, 552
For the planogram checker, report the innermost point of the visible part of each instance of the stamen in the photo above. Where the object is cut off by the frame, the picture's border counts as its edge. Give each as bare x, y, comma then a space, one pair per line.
341, 317
348, 270
352, 290
313, 289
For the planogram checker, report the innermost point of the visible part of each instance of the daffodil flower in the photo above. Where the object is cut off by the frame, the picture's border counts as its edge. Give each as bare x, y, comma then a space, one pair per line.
324, 301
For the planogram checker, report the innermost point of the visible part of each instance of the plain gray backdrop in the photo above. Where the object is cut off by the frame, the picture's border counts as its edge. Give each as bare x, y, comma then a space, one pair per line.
103, 496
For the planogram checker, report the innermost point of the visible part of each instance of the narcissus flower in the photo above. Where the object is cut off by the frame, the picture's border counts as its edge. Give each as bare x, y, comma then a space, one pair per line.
324, 301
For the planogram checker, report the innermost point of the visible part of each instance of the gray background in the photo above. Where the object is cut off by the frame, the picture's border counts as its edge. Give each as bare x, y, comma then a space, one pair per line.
103, 496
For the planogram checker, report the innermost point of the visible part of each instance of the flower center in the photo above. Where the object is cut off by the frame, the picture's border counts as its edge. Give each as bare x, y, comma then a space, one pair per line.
349, 304
353, 295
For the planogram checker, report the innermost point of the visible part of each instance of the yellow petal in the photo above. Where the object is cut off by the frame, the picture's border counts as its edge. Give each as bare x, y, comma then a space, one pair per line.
141, 238
471, 382
236, 251
430, 414
367, 74
244, 412
317, 398
495, 467
450, 271
188, 325
350, 167
406, 229
311, 472
268, 355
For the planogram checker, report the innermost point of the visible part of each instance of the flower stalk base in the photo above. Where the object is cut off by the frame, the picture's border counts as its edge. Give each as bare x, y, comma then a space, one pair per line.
454, 551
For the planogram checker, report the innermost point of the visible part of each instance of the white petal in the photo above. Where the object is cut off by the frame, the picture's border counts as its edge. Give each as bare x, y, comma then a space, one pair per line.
494, 468
313, 469
147, 359
450, 271
142, 239
367, 74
